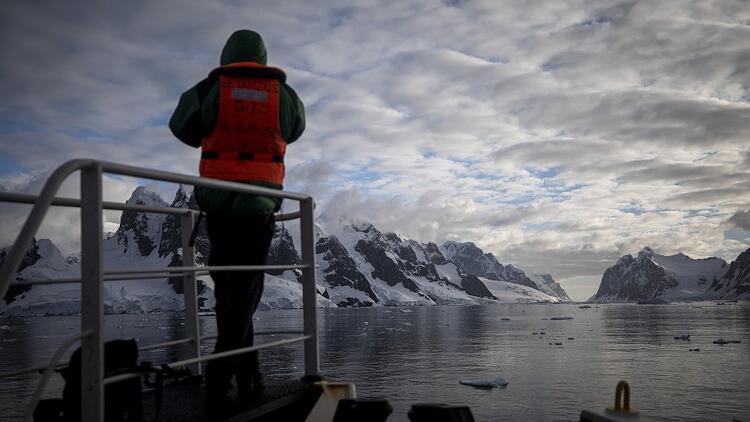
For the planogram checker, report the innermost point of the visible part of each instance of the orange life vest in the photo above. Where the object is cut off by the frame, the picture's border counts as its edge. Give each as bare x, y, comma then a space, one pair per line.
246, 143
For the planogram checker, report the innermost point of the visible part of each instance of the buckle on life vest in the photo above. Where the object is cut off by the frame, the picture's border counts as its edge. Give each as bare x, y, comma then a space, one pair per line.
242, 156
245, 156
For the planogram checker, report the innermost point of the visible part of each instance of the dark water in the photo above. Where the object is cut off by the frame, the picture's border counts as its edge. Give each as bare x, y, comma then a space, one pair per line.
419, 356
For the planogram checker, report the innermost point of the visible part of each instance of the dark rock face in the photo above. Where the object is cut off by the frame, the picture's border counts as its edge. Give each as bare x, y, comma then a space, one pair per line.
736, 281
409, 264
515, 275
202, 244
142, 228
402, 249
351, 302
633, 279
609, 286
472, 260
30, 258
433, 254
139, 223
383, 267
282, 251
171, 233
474, 286
341, 270
177, 282
171, 238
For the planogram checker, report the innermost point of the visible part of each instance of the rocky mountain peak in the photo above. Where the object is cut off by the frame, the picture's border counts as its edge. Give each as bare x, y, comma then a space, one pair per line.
362, 227
547, 284
181, 197
470, 259
171, 238
282, 251
625, 260
142, 196
646, 253
31, 257
651, 275
141, 232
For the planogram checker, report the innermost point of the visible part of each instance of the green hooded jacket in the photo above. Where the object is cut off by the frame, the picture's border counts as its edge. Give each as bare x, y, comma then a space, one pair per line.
196, 114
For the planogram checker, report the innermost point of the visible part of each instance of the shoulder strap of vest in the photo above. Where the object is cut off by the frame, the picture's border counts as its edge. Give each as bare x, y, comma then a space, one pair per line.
250, 69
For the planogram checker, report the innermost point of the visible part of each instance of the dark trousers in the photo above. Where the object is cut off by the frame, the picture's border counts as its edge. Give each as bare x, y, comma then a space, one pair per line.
236, 241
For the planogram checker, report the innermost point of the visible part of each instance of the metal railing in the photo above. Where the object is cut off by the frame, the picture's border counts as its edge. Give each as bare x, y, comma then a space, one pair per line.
93, 274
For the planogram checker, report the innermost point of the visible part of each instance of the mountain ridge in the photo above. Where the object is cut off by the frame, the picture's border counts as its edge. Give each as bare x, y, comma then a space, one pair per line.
650, 276
358, 266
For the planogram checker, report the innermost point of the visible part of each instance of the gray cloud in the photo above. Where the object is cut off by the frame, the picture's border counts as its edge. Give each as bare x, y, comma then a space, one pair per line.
740, 219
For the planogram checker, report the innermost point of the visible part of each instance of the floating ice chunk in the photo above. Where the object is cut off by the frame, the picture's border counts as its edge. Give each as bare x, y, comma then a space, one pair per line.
722, 341
498, 382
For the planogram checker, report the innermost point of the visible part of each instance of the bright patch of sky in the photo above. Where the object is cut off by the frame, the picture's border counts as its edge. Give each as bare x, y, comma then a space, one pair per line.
558, 135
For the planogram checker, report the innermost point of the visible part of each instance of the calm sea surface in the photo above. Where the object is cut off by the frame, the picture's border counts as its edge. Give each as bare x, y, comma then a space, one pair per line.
420, 354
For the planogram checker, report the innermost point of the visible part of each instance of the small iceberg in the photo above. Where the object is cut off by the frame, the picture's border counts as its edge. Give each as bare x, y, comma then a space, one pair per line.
498, 382
722, 341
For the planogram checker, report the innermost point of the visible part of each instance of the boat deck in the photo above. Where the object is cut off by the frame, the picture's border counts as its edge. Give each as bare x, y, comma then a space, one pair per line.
185, 400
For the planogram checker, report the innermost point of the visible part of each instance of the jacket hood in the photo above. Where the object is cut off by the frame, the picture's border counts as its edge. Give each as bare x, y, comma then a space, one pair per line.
244, 46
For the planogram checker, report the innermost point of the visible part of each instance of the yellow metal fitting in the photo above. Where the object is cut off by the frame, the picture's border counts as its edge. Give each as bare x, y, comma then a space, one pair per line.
622, 405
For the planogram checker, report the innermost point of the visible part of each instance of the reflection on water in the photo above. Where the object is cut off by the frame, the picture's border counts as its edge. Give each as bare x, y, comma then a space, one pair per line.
419, 354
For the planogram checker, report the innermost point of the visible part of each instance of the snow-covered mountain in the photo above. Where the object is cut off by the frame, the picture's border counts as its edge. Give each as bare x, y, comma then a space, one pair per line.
360, 266
365, 267
547, 284
650, 275
471, 259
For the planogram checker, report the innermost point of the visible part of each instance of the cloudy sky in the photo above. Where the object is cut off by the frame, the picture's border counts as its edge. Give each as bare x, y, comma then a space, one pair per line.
558, 135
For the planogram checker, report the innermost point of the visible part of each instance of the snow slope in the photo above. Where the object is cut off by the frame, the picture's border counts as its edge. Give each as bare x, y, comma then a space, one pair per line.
507, 292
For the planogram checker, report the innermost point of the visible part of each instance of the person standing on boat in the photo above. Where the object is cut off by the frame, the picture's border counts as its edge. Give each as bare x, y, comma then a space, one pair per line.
242, 116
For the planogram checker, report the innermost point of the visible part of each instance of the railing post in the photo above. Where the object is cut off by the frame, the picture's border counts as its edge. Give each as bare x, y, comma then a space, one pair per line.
309, 288
190, 290
92, 307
